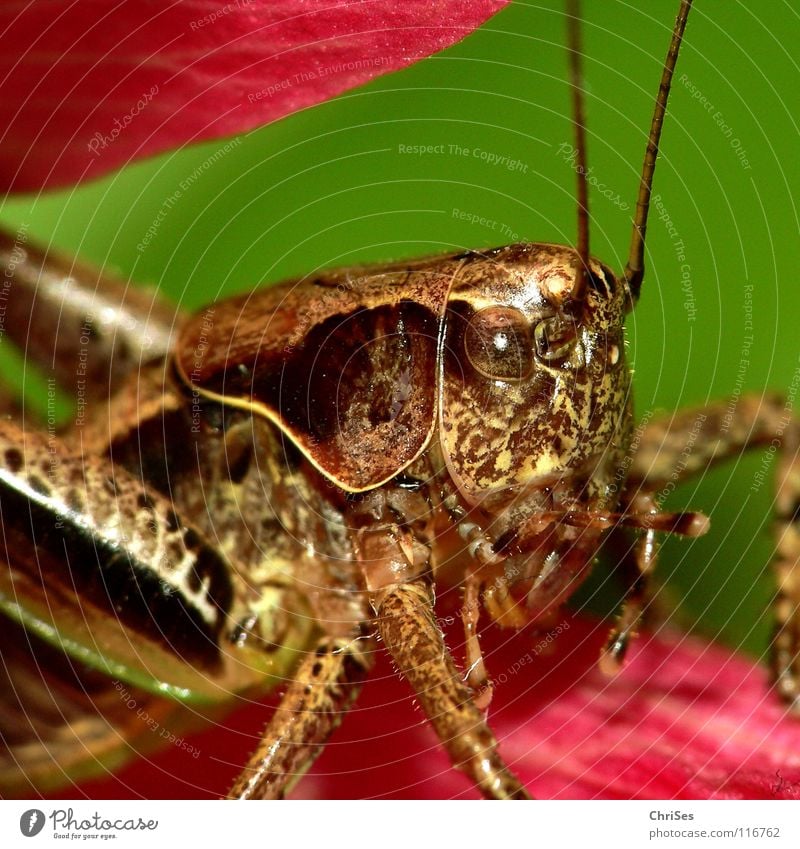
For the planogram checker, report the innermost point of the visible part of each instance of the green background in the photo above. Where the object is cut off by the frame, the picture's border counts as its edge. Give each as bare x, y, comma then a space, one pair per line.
329, 186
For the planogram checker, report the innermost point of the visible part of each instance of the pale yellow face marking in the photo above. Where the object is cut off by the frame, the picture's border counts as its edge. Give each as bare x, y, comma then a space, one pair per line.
503, 461
548, 463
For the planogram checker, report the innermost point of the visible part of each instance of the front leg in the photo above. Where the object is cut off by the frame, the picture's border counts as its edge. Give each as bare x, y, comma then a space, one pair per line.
325, 686
672, 449
408, 628
396, 567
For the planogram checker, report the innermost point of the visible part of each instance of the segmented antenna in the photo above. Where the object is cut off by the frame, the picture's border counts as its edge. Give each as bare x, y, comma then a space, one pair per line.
634, 270
578, 117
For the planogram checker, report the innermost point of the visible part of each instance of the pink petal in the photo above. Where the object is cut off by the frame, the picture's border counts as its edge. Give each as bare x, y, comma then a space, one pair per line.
87, 86
684, 720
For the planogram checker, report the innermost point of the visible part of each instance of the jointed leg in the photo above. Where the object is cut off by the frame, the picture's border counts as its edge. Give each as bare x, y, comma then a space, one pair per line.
78, 323
408, 628
786, 644
396, 567
675, 447
326, 685
671, 449
477, 676
637, 565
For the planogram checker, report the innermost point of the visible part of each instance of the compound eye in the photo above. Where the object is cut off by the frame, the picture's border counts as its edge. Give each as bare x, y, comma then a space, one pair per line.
555, 338
498, 343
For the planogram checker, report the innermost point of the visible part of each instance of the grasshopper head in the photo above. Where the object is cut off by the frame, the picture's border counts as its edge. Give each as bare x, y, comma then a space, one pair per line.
533, 390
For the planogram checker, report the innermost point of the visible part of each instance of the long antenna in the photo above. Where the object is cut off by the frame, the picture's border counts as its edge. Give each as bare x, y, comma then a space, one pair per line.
634, 270
579, 287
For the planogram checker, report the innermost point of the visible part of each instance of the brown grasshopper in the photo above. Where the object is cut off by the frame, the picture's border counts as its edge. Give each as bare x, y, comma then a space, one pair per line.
275, 487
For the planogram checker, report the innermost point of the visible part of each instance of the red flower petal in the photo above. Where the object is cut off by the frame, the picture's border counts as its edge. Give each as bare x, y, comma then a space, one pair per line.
683, 720
86, 87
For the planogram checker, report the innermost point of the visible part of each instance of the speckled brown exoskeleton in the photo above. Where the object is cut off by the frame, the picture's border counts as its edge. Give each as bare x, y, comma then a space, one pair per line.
279, 488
